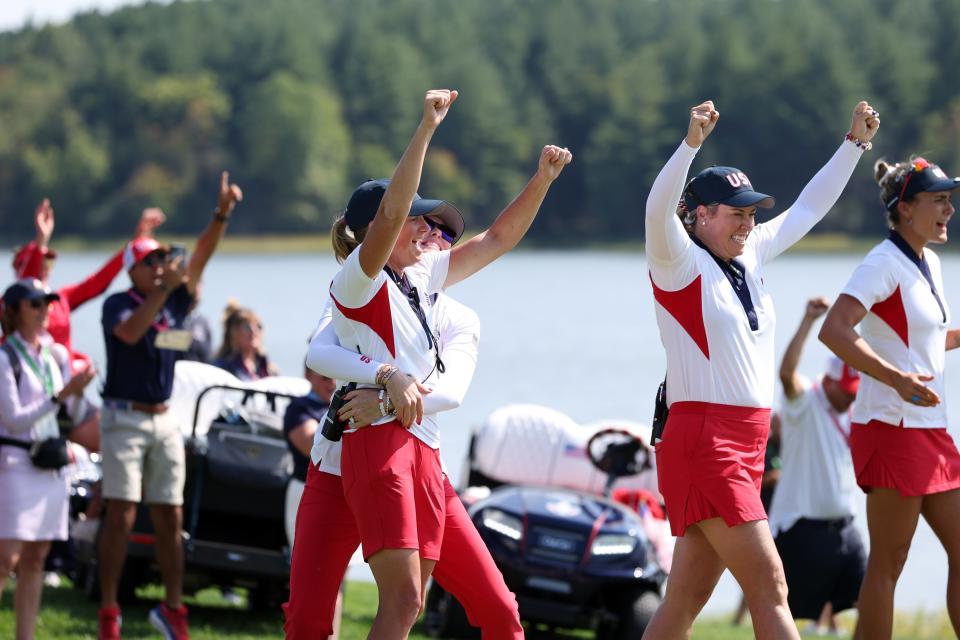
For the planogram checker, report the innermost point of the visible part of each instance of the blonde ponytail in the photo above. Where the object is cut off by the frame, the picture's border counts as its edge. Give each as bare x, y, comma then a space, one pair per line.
345, 241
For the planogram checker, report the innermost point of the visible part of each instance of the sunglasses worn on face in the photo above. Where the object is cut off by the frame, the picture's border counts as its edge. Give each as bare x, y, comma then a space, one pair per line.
40, 303
154, 260
445, 232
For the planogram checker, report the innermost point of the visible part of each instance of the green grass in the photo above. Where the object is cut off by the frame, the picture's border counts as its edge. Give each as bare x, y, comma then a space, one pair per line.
67, 615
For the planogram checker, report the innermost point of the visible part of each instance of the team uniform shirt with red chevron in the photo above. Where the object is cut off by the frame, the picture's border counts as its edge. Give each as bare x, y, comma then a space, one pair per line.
375, 318
905, 326
713, 353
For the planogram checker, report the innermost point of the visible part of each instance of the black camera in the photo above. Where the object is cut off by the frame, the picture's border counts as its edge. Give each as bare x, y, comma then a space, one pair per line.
333, 426
660, 413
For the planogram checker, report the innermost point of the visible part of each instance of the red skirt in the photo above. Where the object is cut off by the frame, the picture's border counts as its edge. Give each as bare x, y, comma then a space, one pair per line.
710, 463
915, 462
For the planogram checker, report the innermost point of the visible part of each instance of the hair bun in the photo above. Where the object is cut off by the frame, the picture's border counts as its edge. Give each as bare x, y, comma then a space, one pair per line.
881, 169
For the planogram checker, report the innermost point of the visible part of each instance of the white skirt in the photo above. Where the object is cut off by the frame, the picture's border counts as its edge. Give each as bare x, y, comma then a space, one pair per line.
33, 502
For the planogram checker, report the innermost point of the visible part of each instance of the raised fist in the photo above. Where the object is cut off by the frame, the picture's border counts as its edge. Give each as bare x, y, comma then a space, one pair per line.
552, 161
436, 104
816, 307
703, 118
865, 123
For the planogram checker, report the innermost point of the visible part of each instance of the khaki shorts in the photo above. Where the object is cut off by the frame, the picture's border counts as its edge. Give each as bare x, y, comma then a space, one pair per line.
143, 457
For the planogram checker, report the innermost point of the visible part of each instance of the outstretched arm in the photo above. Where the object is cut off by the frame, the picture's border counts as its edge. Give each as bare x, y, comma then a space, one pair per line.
512, 223
821, 193
395, 207
792, 386
666, 238
230, 195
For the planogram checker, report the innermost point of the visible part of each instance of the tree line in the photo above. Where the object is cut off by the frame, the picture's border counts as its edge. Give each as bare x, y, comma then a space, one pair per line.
303, 99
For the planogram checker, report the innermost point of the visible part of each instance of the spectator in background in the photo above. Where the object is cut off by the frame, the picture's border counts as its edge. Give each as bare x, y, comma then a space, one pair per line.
811, 517
242, 352
36, 260
35, 380
143, 455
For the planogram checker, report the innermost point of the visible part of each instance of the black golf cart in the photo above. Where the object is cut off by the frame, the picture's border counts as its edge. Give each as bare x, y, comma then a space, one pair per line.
574, 560
234, 498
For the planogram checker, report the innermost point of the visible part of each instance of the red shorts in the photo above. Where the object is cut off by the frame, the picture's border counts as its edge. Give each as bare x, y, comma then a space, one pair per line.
710, 463
393, 484
915, 462
326, 537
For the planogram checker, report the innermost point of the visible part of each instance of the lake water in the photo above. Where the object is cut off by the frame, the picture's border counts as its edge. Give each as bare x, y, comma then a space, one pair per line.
572, 330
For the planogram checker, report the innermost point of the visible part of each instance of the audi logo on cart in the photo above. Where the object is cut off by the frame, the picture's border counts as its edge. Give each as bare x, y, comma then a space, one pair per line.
556, 543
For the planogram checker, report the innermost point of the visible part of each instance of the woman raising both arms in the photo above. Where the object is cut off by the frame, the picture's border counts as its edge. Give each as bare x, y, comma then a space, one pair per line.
716, 321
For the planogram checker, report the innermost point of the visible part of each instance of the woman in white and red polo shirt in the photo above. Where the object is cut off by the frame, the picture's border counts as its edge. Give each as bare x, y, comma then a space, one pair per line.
716, 323
392, 478
903, 456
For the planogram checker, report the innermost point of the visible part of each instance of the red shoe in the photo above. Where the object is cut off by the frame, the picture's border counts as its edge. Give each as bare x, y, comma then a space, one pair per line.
110, 621
172, 623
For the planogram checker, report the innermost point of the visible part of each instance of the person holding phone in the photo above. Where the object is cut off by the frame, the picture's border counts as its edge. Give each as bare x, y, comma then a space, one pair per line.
716, 320
142, 448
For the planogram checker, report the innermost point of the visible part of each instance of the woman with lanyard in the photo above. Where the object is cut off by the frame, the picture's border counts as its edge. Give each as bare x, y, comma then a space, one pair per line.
716, 323
391, 471
35, 380
465, 568
904, 458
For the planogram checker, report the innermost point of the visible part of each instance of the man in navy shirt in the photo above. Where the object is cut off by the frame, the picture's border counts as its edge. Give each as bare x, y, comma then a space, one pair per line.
142, 445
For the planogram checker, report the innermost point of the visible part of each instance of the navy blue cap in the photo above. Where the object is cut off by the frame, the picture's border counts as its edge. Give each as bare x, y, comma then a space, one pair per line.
923, 176
27, 289
366, 198
724, 185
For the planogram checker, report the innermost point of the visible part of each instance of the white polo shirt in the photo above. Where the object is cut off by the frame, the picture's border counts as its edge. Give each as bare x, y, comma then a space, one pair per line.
375, 318
713, 354
458, 328
817, 478
906, 327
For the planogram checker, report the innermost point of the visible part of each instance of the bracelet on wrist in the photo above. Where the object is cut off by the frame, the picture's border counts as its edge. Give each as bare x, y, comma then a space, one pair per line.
382, 372
860, 144
220, 216
382, 406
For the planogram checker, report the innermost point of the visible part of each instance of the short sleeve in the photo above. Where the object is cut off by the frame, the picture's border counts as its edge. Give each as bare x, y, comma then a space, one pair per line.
115, 308
351, 287
872, 282
793, 409
295, 415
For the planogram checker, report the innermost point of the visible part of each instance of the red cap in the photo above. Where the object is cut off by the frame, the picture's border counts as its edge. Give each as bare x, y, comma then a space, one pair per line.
843, 374
138, 249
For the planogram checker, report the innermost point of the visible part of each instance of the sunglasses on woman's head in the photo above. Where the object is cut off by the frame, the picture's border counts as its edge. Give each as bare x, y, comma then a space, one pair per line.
919, 164
445, 232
